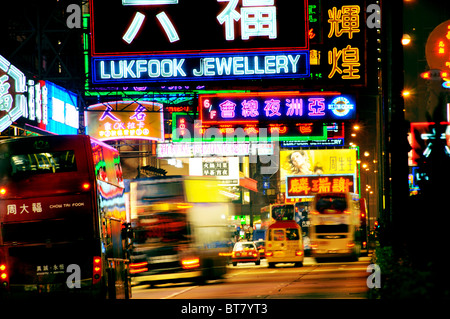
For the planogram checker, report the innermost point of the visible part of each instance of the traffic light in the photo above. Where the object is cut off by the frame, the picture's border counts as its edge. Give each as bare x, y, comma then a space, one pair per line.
376, 225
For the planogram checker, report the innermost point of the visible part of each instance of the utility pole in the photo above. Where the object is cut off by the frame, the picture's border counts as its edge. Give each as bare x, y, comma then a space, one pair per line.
396, 174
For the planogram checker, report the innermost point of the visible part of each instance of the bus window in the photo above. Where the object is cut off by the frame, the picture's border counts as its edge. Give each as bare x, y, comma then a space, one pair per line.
292, 234
278, 234
283, 212
25, 165
337, 202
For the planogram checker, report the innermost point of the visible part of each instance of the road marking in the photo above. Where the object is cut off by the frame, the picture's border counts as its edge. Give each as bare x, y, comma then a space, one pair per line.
180, 292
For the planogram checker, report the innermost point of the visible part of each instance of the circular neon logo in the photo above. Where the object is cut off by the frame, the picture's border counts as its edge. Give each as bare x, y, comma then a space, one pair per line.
340, 106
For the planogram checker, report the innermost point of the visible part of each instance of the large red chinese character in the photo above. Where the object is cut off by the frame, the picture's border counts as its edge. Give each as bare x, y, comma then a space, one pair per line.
299, 186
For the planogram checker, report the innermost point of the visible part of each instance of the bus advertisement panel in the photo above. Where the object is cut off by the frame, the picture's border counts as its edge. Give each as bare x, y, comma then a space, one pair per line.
62, 213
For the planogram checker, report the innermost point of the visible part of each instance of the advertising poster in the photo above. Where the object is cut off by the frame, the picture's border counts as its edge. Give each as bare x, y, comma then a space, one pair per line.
320, 162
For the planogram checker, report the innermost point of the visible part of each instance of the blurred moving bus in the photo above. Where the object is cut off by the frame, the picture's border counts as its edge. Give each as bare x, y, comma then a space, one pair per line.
62, 212
284, 243
335, 223
180, 227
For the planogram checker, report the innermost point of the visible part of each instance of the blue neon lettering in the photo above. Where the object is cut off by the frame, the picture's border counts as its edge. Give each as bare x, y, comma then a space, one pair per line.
128, 65
224, 65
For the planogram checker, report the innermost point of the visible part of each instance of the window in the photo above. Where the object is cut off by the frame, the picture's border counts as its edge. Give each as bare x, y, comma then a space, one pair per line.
24, 165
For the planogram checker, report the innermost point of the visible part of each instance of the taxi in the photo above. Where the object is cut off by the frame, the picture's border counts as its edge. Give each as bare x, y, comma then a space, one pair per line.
245, 252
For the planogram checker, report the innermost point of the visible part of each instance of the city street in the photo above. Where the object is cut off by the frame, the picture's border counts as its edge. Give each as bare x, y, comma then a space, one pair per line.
338, 279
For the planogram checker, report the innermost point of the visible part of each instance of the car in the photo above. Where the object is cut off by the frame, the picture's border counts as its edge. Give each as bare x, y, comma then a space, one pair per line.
245, 252
261, 246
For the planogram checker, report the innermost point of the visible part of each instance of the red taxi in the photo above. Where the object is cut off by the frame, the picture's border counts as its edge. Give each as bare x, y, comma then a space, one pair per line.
245, 252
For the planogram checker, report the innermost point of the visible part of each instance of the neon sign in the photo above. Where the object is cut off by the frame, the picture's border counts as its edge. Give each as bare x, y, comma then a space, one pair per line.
199, 67
186, 41
437, 48
275, 107
13, 103
126, 120
308, 185
185, 129
338, 44
170, 150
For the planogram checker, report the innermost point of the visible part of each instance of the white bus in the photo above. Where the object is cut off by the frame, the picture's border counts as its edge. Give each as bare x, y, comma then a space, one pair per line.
335, 225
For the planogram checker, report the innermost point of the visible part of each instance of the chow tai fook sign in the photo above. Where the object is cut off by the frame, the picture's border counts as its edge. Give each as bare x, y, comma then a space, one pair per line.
13, 102
307, 186
141, 41
126, 120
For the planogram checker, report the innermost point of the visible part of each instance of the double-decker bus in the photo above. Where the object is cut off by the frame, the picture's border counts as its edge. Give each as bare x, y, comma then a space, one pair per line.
62, 218
335, 225
181, 230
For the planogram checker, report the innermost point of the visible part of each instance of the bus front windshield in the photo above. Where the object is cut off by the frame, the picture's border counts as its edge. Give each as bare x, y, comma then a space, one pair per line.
283, 212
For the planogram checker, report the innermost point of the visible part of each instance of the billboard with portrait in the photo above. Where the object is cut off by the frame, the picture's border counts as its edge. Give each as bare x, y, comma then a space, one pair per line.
312, 162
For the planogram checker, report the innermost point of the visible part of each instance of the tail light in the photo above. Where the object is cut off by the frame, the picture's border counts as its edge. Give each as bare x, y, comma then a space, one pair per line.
351, 244
97, 270
3, 276
314, 245
136, 268
2, 191
269, 253
299, 253
255, 254
86, 186
190, 263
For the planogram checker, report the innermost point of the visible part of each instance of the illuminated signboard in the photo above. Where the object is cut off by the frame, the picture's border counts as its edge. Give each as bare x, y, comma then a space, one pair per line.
308, 162
306, 186
126, 120
275, 107
186, 40
225, 169
13, 103
185, 129
423, 137
170, 150
340, 57
61, 104
335, 137
437, 49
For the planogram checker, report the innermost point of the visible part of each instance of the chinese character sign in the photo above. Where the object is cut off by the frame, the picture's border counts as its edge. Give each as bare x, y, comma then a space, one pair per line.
184, 40
161, 26
306, 186
125, 120
340, 58
13, 103
275, 107
437, 49
310, 162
